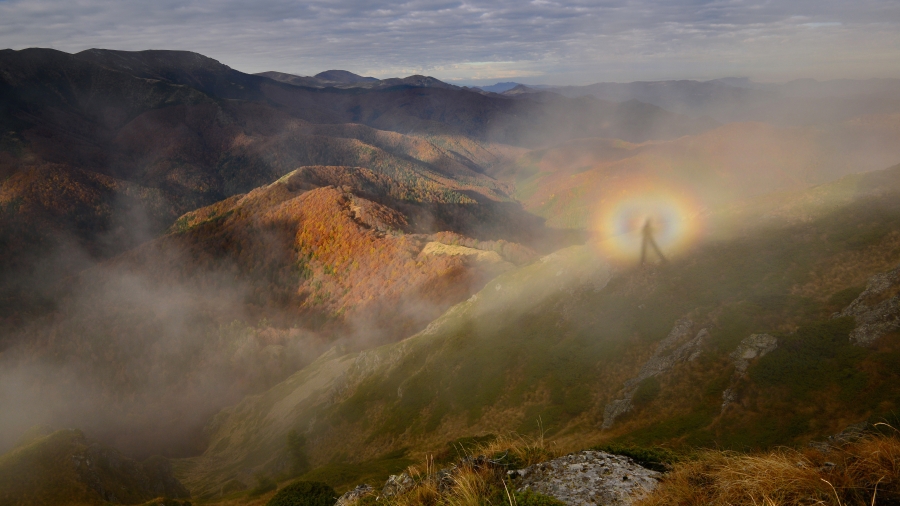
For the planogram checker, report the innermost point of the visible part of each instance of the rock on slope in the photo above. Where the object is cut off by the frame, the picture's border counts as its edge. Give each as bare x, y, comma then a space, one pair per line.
555, 340
588, 477
877, 309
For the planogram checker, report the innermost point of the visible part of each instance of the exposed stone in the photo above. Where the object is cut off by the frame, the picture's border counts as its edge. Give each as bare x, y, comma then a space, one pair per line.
588, 478
851, 433
617, 408
352, 496
728, 396
397, 484
881, 319
667, 355
877, 309
751, 348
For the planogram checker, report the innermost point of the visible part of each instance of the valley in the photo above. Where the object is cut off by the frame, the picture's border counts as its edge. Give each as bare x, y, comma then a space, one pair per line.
215, 283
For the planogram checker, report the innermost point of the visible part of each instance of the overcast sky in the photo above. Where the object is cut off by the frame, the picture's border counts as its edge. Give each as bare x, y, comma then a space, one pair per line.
555, 42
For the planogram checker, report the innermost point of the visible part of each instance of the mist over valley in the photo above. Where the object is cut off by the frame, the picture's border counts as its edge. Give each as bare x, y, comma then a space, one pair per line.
267, 287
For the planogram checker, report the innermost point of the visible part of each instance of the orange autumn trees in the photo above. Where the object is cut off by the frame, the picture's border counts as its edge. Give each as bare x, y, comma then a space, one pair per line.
318, 245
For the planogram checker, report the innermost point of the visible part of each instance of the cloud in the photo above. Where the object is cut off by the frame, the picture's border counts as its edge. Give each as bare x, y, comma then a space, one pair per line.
574, 41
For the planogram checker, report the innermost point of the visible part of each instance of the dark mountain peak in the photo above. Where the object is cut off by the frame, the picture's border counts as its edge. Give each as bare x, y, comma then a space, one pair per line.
309, 82
345, 80
418, 81
179, 67
151, 63
518, 90
33, 52
343, 77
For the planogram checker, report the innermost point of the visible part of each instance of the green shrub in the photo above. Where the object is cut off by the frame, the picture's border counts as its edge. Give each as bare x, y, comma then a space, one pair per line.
843, 298
647, 390
817, 355
656, 459
263, 484
304, 493
508, 459
501, 495
296, 447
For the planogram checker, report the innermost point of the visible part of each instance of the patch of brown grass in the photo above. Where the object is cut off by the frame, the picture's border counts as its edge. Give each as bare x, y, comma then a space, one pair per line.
476, 480
863, 472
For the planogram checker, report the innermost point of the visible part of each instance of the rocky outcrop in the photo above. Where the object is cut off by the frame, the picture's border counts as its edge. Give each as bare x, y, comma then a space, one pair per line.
354, 495
671, 351
750, 349
877, 309
588, 478
397, 484
850, 434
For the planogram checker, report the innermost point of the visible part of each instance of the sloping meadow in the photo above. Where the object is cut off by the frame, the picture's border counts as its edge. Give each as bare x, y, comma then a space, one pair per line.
550, 345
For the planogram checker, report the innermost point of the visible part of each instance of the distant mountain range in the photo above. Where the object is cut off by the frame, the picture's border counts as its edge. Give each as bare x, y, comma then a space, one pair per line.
171, 131
344, 79
141, 165
247, 273
571, 348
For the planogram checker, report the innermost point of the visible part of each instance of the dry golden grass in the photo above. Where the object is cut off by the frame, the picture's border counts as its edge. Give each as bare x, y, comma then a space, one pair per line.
473, 481
528, 450
863, 472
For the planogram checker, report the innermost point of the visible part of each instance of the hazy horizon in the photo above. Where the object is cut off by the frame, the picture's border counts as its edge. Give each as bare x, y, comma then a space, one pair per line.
556, 43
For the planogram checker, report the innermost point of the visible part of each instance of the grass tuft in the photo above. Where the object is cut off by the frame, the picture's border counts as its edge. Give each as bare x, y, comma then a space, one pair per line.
478, 478
862, 472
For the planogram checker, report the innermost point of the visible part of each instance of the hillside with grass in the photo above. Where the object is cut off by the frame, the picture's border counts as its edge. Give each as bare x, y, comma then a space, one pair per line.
268, 278
241, 294
567, 341
102, 150
64, 467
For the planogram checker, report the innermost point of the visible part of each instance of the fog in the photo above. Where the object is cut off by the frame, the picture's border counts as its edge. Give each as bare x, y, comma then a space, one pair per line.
138, 359
141, 349
139, 340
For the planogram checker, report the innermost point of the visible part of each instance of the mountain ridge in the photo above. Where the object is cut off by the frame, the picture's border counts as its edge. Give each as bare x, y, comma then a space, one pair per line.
534, 356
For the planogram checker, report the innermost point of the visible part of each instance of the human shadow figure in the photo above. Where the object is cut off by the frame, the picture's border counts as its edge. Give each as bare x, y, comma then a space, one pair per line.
648, 241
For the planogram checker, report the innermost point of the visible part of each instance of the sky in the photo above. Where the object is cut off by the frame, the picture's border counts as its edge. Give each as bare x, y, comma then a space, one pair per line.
482, 42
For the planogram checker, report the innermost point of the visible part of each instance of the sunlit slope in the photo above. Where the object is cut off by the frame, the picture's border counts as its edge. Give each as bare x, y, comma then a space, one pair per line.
241, 294
338, 243
102, 151
567, 183
446, 357
556, 341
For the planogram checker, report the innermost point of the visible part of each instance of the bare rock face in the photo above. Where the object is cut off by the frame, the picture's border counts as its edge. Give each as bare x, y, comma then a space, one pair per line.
588, 478
352, 496
750, 349
877, 309
671, 351
397, 484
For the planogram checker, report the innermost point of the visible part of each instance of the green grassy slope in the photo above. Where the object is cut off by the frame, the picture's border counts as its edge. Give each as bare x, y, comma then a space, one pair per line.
555, 340
66, 468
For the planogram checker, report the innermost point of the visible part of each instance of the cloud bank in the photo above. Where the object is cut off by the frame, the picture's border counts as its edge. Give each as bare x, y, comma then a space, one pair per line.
556, 42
